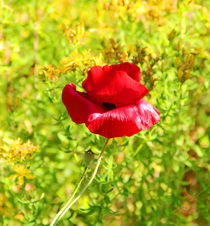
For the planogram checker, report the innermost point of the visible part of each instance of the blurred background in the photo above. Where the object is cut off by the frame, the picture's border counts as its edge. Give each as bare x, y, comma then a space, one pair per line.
156, 177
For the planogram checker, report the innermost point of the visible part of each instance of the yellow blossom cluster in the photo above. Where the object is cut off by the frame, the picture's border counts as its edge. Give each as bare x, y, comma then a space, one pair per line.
68, 64
79, 33
114, 50
13, 150
50, 72
185, 66
75, 34
141, 10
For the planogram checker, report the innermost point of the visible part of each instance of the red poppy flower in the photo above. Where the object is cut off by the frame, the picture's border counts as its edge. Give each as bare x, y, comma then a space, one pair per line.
112, 105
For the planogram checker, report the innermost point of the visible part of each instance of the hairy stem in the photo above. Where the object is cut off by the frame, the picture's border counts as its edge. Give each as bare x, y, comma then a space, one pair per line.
71, 200
55, 221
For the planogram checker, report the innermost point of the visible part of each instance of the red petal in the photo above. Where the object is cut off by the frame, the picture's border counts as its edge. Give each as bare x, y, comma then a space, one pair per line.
108, 84
78, 105
131, 69
124, 121
95, 74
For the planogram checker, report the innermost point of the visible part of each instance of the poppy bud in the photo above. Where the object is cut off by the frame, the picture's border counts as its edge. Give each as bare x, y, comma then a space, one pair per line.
88, 158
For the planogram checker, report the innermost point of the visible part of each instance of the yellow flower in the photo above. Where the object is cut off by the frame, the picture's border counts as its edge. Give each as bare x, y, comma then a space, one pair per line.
77, 61
19, 216
50, 72
21, 173
5, 205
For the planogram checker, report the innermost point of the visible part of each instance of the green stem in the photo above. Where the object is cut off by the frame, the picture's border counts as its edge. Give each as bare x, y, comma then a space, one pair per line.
70, 202
55, 221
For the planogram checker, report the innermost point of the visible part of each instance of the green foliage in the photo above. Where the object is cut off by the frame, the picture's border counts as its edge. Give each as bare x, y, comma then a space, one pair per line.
156, 177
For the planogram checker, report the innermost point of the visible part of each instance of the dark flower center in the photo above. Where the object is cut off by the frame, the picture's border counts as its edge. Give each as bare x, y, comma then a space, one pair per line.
108, 105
